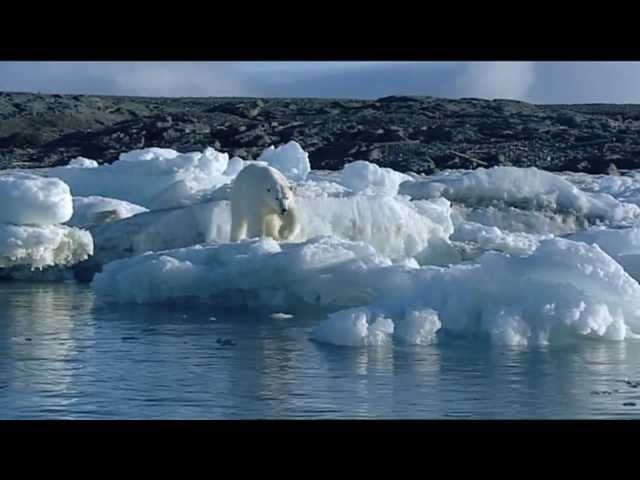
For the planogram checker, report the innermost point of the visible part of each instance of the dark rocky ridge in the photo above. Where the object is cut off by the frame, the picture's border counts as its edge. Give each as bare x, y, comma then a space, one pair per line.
419, 134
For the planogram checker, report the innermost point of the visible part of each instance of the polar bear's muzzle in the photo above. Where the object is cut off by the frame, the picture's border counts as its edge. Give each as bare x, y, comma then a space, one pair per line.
282, 203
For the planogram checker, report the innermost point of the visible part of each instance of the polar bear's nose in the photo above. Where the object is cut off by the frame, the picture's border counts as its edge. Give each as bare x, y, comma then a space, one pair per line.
284, 210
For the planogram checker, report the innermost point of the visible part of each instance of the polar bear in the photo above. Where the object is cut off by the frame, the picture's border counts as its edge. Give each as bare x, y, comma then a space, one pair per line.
262, 205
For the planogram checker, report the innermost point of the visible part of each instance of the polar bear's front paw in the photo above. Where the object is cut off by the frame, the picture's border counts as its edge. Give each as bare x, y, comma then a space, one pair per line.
288, 231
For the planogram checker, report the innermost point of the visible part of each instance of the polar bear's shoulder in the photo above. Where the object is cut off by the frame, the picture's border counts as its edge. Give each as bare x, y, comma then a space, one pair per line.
263, 171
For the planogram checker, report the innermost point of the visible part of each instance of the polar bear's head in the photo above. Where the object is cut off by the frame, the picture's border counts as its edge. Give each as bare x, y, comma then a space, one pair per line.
280, 196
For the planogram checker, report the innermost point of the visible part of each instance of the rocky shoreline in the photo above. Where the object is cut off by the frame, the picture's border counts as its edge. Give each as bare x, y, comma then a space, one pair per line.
419, 134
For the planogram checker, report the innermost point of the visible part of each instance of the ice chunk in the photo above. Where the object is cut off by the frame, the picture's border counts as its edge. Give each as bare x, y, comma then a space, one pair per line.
365, 177
363, 326
624, 188
253, 272
148, 154
513, 219
37, 247
179, 194
563, 291
623, 245
320, 189
418, 327
354, 327
141, 175
162, 230
422, 189
27, 199
396, 227
281, 316
82, 162
332, 176
492, 238
290, 159
526, 188
234, 166
96, 210
347, 327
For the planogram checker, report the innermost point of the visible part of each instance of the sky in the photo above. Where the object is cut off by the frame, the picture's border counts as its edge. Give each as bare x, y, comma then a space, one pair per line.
537, 82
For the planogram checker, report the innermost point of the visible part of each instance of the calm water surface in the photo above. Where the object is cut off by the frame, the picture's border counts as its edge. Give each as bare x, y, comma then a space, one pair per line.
63, 354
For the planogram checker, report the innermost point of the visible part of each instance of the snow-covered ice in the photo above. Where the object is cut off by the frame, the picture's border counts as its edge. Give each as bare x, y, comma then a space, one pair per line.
394, 226
517, 220
42, 246
162, 178
281, 316
513, 255
362, 326
257, 272
354, 327
563, 290
95, 210
82, 162
625, 188
526, 188
366, 177
623, 245
27, 199
492, 238
289, 158
32, 209
140, 176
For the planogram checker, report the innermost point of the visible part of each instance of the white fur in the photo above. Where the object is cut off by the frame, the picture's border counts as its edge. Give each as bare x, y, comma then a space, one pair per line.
262, 205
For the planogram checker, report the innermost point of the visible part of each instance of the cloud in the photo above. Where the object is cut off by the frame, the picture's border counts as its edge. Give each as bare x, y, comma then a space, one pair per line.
539, 82
586, 82
511, 80
367, 81
127, 78
440, 79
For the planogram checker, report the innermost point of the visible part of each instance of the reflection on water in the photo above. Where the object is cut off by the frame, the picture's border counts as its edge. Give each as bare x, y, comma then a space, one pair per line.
64, 355
40, 341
